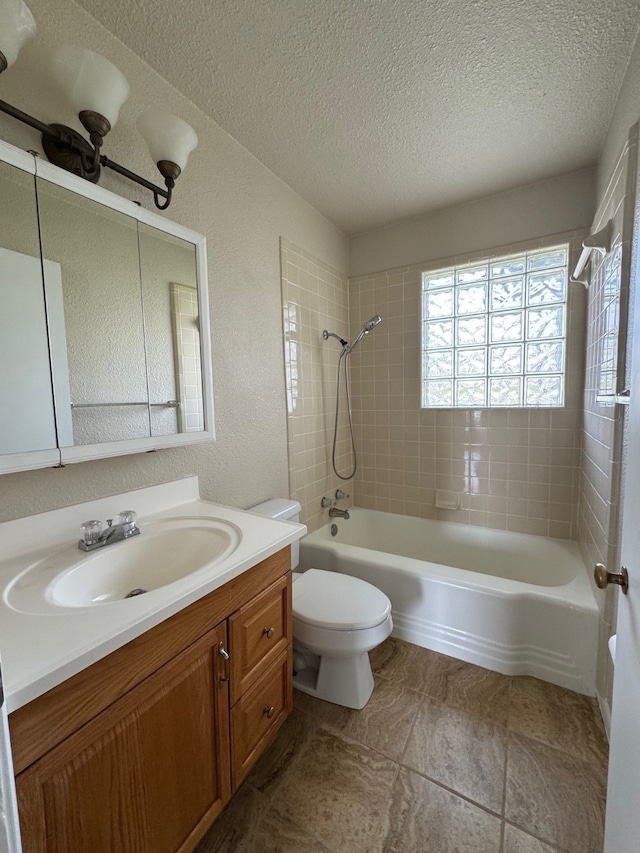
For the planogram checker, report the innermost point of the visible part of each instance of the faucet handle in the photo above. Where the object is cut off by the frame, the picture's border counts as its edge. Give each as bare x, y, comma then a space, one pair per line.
127, 516
340, 494
91, 531
327, 502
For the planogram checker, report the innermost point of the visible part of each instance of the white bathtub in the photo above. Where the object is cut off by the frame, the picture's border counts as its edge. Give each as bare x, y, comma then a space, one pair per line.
517, 604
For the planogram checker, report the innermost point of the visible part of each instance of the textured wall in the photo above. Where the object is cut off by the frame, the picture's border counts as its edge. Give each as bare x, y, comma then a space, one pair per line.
536, 210
243, 209
624, 116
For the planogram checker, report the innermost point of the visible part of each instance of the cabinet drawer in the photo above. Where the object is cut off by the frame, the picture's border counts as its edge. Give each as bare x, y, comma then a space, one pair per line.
258, 634
258, 715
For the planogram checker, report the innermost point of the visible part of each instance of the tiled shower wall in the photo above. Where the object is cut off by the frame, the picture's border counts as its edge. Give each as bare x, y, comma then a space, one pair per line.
314, 297
599, 519
514, 469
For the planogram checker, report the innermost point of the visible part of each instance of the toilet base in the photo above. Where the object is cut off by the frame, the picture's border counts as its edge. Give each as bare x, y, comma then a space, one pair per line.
345, 680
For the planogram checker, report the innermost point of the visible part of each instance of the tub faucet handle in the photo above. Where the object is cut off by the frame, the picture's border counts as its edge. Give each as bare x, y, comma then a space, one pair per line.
327, 503
340, 494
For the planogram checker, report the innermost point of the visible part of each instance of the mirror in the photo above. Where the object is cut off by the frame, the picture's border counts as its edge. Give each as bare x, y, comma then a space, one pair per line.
104, 337
28, 422
172, 325
94, 250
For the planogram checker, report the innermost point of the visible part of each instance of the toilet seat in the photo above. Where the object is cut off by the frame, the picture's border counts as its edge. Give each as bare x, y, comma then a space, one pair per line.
338, 602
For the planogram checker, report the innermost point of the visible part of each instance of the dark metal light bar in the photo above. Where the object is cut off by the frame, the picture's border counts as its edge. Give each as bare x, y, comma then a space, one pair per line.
68, 149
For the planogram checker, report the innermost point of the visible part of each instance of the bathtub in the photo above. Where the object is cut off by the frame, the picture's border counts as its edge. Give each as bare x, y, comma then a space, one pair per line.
510, 602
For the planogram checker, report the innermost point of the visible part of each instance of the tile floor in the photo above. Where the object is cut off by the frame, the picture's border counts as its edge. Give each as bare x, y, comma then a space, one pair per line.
446, 758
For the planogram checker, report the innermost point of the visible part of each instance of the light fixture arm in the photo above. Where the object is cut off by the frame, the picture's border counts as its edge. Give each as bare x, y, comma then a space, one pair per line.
97, 126
158, 192
25, 118
68, 149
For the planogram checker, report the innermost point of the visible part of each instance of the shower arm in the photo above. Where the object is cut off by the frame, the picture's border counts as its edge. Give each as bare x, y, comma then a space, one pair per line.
326, 335
349, 347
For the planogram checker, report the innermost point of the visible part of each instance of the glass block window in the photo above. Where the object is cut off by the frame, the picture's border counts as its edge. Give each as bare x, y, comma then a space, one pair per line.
494, 333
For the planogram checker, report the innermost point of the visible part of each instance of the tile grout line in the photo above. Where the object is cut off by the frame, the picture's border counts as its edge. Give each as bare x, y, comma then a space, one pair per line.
574, 757
550, 844
453, 791
506, 765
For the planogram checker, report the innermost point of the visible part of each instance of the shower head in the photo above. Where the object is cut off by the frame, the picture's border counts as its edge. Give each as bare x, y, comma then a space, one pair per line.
368, 326
346, 346
372, 323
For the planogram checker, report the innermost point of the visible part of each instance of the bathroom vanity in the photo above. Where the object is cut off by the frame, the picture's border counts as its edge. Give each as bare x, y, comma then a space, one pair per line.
141, 749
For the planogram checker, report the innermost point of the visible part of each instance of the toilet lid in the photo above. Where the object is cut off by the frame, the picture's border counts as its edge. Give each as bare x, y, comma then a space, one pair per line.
332, 600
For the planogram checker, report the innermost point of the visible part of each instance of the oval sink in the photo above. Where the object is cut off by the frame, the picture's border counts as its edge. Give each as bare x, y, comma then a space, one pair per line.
166, 551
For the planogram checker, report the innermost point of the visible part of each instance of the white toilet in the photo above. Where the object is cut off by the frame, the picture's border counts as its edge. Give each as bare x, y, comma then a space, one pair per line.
337, 621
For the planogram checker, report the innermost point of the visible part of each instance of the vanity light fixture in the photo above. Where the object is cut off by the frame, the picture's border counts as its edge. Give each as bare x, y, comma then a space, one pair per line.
16, 27
97, 90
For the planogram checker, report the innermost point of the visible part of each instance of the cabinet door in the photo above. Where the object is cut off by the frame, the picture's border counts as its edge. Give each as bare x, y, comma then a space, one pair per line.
259, 633
147, 775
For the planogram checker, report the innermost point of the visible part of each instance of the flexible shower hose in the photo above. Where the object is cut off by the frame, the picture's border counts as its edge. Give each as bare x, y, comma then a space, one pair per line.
343, 361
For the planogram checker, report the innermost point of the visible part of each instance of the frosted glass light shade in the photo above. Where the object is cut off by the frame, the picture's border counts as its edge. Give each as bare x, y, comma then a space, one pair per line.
168, 137
16, 27
90, 81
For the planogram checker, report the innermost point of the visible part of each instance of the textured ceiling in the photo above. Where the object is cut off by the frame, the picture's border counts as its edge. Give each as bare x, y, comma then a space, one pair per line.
377, 110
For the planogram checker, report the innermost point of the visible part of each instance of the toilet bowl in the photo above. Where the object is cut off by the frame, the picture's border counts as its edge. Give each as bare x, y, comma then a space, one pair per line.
337, 621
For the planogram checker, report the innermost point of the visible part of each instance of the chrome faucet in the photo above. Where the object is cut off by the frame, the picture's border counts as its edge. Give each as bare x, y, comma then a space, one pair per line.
334, 512
94, 537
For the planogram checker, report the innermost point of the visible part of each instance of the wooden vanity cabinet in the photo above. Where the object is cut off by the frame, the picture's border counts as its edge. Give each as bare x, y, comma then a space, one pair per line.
140, 752
143, 774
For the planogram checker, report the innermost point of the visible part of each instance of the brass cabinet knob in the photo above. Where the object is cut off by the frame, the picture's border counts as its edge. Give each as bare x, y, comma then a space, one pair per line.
224, 654
603, 577
268, 711
268, 632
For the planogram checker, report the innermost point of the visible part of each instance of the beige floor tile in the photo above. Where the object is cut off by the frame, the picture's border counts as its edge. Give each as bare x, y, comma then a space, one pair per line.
236, 823
459, 750
287, 748
383, 724
279, 834
463, 685
517, 841
472, 688
403, 663
555, 796
330, 782
559, 717
339, 791
424, 818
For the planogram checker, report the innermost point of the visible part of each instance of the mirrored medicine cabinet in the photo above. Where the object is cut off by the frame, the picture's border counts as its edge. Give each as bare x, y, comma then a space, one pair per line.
105, 347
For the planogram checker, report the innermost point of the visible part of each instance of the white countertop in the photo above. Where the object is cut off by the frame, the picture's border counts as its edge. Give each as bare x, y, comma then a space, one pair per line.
41, 650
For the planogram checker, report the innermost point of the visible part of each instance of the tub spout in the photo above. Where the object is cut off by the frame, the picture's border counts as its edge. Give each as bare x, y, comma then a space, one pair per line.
334, 512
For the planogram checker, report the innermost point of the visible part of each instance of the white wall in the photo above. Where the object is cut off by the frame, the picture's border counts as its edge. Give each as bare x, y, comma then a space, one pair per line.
625, 114
243, 209
560, 204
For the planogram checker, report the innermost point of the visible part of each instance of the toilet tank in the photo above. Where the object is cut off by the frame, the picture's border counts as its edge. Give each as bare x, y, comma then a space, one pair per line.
282, 509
